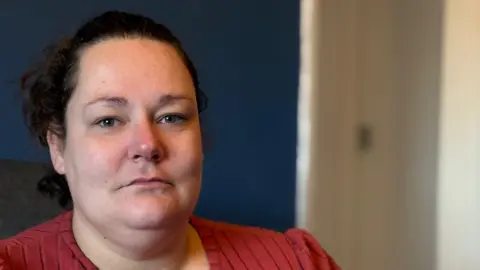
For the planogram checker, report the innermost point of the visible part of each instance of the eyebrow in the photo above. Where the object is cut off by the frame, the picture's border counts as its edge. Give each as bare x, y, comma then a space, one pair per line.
113, 101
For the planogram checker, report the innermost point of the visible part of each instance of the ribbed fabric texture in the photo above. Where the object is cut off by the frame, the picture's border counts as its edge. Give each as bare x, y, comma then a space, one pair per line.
51, 246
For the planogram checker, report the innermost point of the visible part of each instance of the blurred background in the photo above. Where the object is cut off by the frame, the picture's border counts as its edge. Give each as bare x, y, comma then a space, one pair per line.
389, 132
357, 120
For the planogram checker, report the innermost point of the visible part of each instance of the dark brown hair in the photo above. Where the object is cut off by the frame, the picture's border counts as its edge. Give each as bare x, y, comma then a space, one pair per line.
48, 86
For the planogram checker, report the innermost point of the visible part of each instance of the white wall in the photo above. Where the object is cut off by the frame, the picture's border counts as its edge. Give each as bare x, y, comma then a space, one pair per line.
394, 65
459, 170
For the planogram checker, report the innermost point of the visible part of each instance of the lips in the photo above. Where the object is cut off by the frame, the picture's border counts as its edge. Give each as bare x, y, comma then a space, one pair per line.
148, 181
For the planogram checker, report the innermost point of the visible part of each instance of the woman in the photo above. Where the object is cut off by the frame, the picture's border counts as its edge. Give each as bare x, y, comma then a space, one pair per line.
118, 107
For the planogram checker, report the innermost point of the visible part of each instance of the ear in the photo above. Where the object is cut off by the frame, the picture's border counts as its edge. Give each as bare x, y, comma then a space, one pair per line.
56, 149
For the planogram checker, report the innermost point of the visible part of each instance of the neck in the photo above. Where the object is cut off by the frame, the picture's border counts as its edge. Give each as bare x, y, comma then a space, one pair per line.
113, 248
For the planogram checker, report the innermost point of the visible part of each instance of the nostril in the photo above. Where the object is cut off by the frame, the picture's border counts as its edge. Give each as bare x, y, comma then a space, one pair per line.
152, 155
156, 156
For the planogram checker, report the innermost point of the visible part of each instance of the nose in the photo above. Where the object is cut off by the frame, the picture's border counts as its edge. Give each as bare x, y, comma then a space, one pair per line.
146, 144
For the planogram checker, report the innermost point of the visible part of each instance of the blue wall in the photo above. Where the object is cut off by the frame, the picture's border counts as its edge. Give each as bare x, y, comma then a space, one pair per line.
246, 52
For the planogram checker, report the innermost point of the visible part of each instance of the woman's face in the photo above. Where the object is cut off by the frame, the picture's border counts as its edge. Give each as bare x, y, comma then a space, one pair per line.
132, 154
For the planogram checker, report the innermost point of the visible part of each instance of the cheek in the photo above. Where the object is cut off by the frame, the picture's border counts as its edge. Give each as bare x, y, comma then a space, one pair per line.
186, 154
91, 163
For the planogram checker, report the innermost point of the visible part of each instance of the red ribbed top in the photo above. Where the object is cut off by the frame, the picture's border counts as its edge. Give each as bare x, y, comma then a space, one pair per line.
51, 246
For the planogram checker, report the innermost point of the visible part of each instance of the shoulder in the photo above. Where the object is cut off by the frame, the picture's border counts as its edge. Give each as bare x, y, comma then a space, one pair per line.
39, 232
265, 248
309, 250
41, 238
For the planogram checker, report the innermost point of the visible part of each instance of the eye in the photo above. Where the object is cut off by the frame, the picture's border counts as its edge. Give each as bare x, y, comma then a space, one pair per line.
172, 119
107, 122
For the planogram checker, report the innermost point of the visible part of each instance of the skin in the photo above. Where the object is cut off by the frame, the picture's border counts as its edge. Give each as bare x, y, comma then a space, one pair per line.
132, 115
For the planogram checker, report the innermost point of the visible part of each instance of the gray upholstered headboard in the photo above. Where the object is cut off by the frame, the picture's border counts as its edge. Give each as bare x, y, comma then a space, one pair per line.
21, 205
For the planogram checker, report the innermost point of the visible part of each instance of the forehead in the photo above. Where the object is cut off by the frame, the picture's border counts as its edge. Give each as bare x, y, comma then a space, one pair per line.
129, 66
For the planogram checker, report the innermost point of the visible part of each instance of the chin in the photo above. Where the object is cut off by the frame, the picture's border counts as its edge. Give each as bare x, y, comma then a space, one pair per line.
152, 212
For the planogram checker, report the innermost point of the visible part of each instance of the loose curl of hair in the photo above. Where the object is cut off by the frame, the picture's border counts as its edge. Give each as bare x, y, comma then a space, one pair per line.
47, 87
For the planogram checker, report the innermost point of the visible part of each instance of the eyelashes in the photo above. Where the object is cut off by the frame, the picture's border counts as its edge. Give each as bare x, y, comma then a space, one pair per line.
172, 119
107, 122
167, 119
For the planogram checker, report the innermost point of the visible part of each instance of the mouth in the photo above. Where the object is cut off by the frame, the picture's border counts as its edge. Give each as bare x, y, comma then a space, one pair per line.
150, 182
